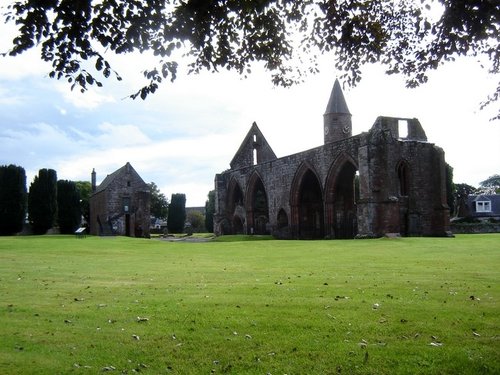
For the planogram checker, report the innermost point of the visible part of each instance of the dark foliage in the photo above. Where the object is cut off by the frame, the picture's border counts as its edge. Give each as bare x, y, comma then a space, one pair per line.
12, 199
159, 203
462, 192
177, 213
210, 211
197, 221
286, 36
68, 206
42, 201
450, 189
85, 190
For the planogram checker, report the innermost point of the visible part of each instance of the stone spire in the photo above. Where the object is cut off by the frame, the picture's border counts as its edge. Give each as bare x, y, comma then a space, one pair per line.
337, 103
337, 118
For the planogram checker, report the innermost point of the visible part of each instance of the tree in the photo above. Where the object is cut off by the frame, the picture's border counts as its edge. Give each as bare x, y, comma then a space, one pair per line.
197, 221
12, 199
491, 185
176, 213
450, 189
69, 212
462, 192
210, 211
159, 204
42, 201
286, 36
85, 190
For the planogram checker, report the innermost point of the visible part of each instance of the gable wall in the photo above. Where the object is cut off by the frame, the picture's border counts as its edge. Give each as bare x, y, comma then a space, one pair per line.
109, 205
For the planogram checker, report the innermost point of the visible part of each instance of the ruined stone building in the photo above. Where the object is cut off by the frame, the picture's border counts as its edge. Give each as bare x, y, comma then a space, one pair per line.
368, 185
120, 205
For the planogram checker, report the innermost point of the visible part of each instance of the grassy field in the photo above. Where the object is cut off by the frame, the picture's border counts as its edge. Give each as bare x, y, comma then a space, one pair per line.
123, 305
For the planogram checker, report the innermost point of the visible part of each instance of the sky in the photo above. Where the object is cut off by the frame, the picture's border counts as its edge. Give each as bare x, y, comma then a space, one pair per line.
189, 130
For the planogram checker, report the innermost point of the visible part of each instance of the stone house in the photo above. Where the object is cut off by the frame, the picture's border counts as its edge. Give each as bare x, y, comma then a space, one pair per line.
380, 182
120, 205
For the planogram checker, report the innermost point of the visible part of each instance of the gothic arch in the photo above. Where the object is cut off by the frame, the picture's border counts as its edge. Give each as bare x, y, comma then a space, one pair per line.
340, 198
235, 208
407, 222
306, 201
257, 206
403, 174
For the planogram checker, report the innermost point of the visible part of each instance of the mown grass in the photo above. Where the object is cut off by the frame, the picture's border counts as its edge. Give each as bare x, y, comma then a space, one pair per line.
387, 306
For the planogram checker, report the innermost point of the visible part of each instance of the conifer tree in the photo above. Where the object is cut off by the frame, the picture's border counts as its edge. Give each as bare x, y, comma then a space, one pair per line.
12, 199
42, 201
177, 213
68, 206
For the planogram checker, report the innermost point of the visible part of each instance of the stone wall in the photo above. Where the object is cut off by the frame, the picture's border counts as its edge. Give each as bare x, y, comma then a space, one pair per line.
402, 185
380, 209
475, 228
122, 206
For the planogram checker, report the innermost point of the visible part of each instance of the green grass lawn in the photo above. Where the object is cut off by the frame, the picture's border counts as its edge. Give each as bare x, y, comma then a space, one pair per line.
123, 305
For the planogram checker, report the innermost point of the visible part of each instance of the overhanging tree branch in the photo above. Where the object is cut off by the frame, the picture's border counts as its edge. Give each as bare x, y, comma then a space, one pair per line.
235, 34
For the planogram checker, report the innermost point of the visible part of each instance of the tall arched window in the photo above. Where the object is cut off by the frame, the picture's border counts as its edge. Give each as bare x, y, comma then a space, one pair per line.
403, 177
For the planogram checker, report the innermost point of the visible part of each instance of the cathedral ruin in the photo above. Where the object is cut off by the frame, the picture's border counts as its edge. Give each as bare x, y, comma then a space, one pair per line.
372, 184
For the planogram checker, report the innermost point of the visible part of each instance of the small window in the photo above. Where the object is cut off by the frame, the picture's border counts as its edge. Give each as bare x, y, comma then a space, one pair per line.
128, 183
483, 206
126, 204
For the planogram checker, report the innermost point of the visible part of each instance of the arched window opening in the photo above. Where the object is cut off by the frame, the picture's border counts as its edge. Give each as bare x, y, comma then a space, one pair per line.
346, 190
260, 209
237, 196
403, 179
235, 208
311, 218
356, 187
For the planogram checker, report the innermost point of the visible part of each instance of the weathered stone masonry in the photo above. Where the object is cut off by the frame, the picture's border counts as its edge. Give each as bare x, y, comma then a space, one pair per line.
120, 205
400, 188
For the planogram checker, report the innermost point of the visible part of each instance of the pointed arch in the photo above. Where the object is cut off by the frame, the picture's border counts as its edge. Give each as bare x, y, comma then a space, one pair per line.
306, 201
235, 208
341, 193
403, 173
257, 207
403, 190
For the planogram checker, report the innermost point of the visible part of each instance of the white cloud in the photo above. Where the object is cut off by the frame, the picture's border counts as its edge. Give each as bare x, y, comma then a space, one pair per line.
118, 136
61, 110
90, 99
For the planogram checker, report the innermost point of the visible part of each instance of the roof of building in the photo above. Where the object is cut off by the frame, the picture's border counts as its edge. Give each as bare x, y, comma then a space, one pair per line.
111, 177
493, 198
337, 103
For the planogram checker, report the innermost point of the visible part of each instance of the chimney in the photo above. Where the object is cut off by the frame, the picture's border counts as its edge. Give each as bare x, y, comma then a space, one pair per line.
93, 180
